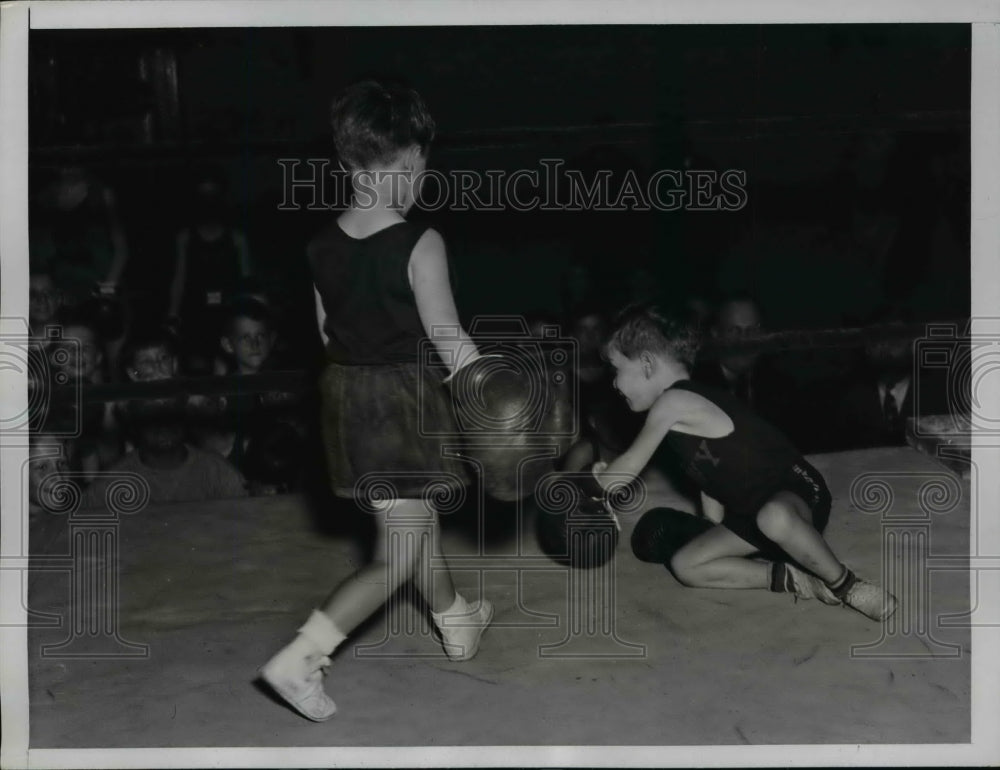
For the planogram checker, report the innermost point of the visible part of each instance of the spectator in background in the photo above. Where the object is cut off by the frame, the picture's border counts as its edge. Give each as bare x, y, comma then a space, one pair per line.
81, 357
174, 470
78, 360
882, 392
48, 459
736, 319
248, 338
261, 433
222, 424
78, 238
44, 302
211, 259
748, 375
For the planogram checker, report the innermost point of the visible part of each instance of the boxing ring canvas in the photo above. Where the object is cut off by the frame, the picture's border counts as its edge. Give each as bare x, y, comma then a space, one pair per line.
619, 656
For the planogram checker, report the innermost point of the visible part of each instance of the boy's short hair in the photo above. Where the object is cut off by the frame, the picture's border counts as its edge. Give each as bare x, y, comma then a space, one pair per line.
246, 307
372, 123
146, 338
645, 328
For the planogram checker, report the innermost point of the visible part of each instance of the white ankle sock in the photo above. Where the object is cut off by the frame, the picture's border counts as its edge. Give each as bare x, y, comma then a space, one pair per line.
322, 632
458, 607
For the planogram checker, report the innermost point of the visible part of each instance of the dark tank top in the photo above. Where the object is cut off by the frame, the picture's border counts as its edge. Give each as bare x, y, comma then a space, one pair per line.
741, 470
76, 244
213, 269
371, 313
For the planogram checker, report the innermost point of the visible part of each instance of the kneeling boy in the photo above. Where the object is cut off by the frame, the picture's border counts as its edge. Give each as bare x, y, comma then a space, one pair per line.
764, 498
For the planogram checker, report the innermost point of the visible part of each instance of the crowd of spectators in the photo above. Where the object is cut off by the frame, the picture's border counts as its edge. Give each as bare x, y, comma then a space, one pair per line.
220, 321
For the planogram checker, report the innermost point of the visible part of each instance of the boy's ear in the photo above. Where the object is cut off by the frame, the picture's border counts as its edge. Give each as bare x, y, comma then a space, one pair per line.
648, 363
410, 157
226, 345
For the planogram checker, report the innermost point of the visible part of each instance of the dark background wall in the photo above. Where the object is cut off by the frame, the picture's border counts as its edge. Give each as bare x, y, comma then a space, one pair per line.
825, 120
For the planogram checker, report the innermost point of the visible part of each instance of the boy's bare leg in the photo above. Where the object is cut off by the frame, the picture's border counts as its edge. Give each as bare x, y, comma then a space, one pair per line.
438, 589
360, 595
717, 559
786, 520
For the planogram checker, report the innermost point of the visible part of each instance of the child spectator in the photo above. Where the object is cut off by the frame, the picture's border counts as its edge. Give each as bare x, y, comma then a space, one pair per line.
77, 236
245, 427
48, 459
44, 302
174, 470
248, 337
78, 360
211, 260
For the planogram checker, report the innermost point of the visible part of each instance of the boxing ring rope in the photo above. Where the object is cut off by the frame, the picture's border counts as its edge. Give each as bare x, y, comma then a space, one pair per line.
299, 380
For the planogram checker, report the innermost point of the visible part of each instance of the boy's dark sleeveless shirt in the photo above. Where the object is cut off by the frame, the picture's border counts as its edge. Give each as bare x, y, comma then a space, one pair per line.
371, 313
741, 470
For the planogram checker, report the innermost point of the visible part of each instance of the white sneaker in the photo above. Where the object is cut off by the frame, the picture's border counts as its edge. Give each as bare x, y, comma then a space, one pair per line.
296, 674
870, 600
460, 634
806, 586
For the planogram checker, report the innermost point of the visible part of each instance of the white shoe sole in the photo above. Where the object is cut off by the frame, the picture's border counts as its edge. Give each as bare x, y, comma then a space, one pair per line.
287, 695
468, 654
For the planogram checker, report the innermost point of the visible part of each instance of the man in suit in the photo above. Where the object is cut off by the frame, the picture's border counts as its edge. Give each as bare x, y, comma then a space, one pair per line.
735, 319
764, 382
883, 393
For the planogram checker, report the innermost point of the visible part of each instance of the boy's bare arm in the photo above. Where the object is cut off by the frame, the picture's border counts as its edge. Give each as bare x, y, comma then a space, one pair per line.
662, 416
321, 317
428, 273
712, 509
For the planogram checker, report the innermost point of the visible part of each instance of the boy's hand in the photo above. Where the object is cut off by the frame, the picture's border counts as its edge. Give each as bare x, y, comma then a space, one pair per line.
594, 494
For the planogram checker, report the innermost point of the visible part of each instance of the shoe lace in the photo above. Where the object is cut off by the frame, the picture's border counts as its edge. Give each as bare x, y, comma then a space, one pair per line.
322, 668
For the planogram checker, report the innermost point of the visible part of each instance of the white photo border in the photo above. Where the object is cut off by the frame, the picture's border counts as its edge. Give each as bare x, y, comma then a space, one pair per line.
985, 118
